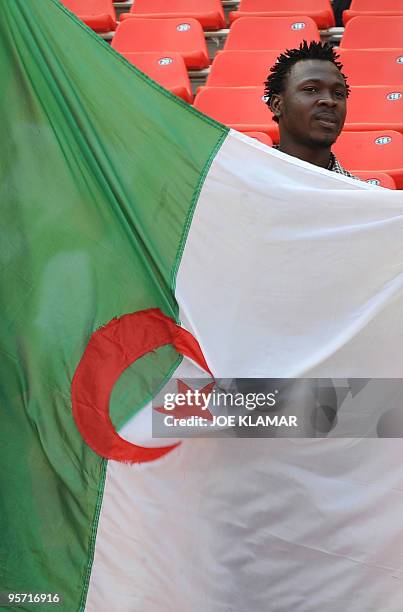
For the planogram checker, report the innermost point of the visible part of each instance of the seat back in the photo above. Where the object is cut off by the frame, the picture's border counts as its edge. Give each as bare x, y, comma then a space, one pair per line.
377, 107
241, 68
373, 67
209, 13
377, 178
261, 137
167, 70
254, 33
167, 35
319, 10
241, 108
97, 14
381, 151
373, 33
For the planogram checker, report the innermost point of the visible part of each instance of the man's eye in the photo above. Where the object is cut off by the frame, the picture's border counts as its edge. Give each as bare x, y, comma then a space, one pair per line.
311, 88
340, 94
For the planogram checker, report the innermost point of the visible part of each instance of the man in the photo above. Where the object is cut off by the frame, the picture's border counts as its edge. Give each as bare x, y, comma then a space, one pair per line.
307, 93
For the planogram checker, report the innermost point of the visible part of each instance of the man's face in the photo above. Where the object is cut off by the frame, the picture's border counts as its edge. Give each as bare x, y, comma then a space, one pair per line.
312, 108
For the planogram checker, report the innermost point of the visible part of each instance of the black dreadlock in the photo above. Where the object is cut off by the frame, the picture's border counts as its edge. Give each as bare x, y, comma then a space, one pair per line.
275, 82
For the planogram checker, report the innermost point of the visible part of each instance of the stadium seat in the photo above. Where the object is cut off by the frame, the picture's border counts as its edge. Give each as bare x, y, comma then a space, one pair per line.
376, 178
380, 151
99, 15
373, 7
319, 10
375, 108
373, 67
165, 35
242, 108
168, 70
209, 13
240, 68
261, 137
270, 33
373, 33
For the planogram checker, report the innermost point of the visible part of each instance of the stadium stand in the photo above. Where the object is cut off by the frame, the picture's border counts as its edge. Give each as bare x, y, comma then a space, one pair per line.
377, 178
375, 108
373, 33
157, 34
253, 33
242, 108
380, 151
318, 10
261, 137
240, 68
373, 66
168, 70
97, 14
373, 8
164, 35
209, 13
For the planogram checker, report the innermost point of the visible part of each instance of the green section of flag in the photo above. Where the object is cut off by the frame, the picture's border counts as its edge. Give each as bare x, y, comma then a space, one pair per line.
100, 169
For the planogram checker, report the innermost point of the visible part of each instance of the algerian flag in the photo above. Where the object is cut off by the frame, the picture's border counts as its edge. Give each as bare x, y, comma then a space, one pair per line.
118, 198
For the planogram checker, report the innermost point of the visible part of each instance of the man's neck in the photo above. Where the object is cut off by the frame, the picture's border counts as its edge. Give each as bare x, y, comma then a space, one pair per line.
318, 157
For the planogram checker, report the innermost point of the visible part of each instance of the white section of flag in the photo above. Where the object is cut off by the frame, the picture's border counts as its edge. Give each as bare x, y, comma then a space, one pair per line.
288, 270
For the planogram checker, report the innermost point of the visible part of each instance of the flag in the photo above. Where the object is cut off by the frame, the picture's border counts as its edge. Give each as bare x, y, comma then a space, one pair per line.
120, 201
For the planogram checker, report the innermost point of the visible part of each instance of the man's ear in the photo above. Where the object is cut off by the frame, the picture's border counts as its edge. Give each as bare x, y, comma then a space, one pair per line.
276, 104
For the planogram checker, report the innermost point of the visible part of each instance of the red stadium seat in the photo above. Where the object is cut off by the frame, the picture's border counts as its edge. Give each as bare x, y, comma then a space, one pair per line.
373, 7
376, 178
261, 137
373, 33
242, 108
165, 35
375, 108
209, 13
380, 151
319, 10
99, 15
270, 33
373, 67
168, 70
240, 68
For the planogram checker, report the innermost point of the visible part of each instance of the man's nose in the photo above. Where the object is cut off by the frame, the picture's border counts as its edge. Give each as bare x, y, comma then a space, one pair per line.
326, 99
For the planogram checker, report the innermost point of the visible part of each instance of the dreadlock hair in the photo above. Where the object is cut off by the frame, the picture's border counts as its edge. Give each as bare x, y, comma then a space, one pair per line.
275, 82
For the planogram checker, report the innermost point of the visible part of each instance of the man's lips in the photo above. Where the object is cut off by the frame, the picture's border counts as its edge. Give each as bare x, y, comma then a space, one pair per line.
327, 118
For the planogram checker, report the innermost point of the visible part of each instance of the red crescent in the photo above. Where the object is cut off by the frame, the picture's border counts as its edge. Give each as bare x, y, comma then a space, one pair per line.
110, 350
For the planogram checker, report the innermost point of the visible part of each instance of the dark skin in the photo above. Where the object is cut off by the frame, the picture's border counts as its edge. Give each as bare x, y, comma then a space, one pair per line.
311, 110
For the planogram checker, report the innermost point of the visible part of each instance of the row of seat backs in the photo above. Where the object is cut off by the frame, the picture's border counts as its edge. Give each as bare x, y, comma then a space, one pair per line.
250, 68
282, 32
379, 152
370, 176
369, 108
362, 67
250, 33
100, 14
319, 10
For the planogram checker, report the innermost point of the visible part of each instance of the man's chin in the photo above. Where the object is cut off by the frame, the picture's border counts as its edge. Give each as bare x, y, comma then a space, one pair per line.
325, 140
